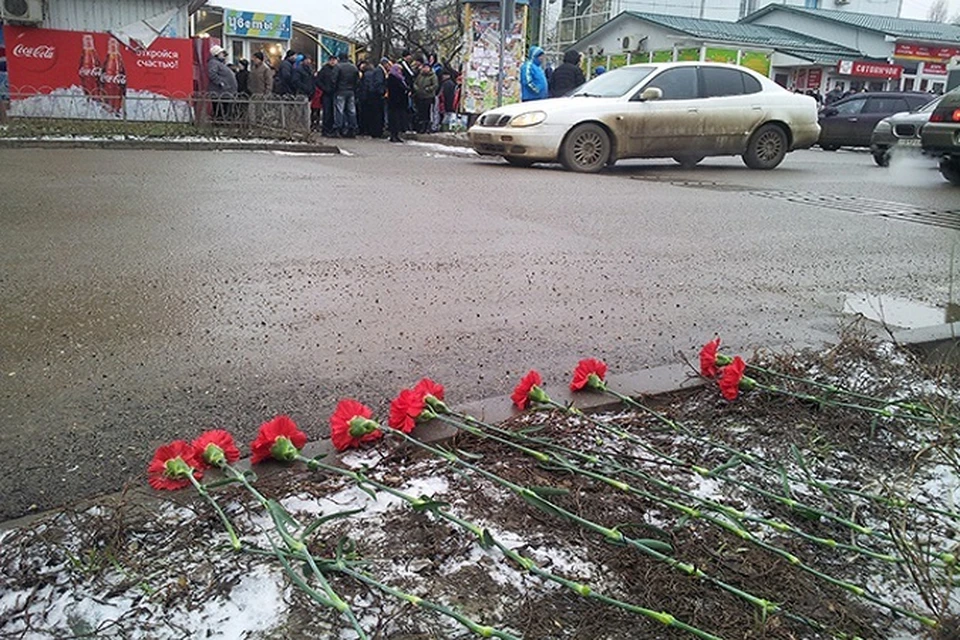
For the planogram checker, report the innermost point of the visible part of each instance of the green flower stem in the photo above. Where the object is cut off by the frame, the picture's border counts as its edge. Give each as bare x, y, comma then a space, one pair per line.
734, 514
281, 519
883, 413
202, 490
612, 535
486, 539
611, 463
766, 466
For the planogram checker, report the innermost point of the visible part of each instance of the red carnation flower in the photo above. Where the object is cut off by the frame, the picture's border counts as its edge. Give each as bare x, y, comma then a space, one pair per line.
350, 425
216, 447
427, 387
529, 389
279, 439
585, 369
172, 465
731, 377
708, 358
405, 409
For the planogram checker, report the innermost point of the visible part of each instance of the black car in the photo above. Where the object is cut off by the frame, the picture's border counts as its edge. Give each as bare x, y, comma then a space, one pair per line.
941, 136
850, 122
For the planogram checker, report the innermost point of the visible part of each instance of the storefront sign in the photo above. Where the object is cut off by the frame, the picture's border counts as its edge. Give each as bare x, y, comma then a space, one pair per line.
688, 55
721, 55
756, 60
912, 51
863, 69
91, 75
252, 24
935, 68
663, 55
814, 78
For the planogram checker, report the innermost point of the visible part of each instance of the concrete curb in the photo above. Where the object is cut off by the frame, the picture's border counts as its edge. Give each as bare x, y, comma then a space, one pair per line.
166, 145
936, 345
439, 138
647, 382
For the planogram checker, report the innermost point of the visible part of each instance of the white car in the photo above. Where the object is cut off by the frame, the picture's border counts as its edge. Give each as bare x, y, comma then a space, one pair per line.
680, 110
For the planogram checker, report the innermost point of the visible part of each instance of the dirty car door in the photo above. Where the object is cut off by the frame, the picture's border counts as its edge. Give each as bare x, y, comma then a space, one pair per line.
672, 124
731, 108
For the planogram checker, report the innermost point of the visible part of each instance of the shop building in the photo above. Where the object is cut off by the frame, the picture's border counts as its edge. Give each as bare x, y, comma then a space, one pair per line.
894, 53
242, 33
773, 51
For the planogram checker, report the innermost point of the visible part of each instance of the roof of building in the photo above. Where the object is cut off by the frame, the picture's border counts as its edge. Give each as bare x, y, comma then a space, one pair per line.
745, 33
923, 30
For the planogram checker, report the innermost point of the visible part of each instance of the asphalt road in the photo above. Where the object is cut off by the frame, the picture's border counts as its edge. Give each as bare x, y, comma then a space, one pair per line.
147, 296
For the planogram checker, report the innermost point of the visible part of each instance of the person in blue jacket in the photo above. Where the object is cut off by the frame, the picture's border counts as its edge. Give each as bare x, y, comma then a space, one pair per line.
533, 80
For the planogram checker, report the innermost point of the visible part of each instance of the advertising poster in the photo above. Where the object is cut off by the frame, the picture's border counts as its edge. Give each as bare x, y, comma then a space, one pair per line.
688, 55
663, 55
721, 55
253, 24
619, 60
481, 58
333, 47
756, 60
76, 74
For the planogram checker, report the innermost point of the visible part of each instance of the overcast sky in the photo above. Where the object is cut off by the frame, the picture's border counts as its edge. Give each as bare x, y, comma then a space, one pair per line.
331, 14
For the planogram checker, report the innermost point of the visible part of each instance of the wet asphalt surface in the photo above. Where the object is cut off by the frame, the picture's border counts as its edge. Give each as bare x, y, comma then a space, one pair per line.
147, 296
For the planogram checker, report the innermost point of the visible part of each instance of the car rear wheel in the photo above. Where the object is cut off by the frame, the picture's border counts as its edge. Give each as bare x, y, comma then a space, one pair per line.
950, 169
688, 162
882, 158
766, 148
518, 162
586, 149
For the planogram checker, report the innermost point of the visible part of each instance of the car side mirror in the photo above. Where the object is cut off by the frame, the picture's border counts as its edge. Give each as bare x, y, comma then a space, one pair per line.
651, 93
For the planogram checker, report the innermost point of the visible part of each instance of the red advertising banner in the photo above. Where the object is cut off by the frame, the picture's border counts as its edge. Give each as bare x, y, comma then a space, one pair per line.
79, 74
864, 69
935, 68
913, 51
814, 78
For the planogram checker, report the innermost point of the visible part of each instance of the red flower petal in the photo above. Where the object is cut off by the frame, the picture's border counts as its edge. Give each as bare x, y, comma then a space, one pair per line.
281, 426
427, 387
730, 378
708, 358
347, 410
220, 438
584, 369
156, 470
520, 395
405, 409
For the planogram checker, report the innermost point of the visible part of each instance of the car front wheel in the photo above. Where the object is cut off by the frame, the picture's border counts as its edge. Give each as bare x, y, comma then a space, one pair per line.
586, 149
766, 148
950, 169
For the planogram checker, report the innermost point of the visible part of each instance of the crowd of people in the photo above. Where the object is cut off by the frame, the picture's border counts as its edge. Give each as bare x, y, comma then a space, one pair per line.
347, 99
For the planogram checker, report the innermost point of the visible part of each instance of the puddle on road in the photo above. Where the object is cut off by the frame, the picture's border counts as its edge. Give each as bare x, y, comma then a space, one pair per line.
899, 312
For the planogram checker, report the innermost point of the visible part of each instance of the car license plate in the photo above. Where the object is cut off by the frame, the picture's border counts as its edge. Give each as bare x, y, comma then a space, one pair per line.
909, 142
483, 137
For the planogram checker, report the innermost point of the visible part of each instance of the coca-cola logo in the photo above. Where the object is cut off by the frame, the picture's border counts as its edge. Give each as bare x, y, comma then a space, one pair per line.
119, 78
41, 51
90, 72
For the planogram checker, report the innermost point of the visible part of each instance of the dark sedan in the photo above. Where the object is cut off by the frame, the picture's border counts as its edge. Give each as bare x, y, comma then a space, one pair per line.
941, 136
850, 122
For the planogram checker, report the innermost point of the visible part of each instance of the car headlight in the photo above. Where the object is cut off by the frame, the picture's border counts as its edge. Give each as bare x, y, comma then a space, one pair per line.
883, 126
528, 119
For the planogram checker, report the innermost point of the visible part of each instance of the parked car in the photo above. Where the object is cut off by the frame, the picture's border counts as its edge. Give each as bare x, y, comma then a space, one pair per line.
680, 110
850, 122
941, 136
900, 131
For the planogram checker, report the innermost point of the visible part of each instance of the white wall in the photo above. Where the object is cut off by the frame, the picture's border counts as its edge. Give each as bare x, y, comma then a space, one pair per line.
870, 44
611, 38
103, 15
736, 9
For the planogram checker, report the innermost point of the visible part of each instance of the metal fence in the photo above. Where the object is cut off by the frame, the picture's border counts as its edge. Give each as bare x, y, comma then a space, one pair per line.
288, 115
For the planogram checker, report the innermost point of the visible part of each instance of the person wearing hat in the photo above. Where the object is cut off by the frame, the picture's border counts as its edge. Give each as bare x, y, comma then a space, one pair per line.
221, 83
284, 83
261, 76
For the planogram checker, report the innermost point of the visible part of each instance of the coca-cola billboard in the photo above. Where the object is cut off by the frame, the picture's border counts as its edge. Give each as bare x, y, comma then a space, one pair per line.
56, 73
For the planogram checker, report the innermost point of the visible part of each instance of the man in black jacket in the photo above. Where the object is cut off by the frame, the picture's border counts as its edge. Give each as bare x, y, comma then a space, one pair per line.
285, 83
325, 82
346, 79
567, 76
374, 83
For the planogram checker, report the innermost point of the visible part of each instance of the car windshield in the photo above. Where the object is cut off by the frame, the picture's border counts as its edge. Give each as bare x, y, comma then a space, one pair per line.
614, 84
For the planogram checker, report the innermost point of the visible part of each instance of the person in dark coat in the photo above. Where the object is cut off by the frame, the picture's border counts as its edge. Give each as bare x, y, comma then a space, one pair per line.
374, 85
568, 76
305, 81
346, 80
398, 102
327, 103
243, 79
285, 84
